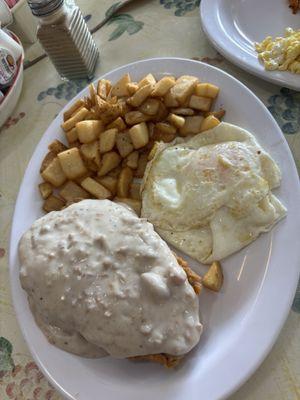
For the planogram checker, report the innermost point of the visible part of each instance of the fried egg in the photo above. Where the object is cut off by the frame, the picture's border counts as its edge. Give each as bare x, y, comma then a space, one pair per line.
211, 195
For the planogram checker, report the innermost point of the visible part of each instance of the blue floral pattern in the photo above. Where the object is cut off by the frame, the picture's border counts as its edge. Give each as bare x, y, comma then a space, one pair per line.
181, 6
66, 90
285, 108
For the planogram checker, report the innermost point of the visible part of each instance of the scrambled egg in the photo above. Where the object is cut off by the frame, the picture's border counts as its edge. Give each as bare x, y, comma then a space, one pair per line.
282, 53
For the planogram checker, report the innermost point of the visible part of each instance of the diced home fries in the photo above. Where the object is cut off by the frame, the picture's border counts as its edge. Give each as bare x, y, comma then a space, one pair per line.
112, 133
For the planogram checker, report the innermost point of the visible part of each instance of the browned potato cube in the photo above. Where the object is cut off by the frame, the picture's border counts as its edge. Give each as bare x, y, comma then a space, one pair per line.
95, 188
45, 189
135, 191
73, 192
132, 160
124, 143
53, 203
134, 204
74, 107
71, 122
161, 136
114, 173
109, 182
132, 87
147, 80
71, 163
110, 161
207, 90
56, 146
90, 152
213, 279
176, 120
150, 106
135, 117
107, 140
162, 113
124, 181
118, 124
170, 100
88, 131
54, 173
140, 95
71, 135
183, 111
120, 88
209, 123
93, 93
139, 135
192, 125
143, 160
49, 157
103, 88
200, 103
162, 87
183, 88
165, 127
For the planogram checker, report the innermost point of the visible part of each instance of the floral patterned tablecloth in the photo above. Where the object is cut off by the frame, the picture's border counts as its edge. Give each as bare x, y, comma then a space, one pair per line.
144, 29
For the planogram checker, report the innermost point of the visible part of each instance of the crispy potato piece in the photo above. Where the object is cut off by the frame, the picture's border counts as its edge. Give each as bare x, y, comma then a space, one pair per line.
213, 279
165, 127
71, 122
101, 105
176, 120
124, 181
150, 106
93, 93
183, 88
88, 131
194, 279
209, 123
218, 114
162, 87
92, 114
107, 140
109, 182
170, 100
147, 80
71, 135
139, 135
120, 88
143, 160
90, 152
135, 191
75, 144
161, 114
114, 173
132, 87
45, 189
136, 205
89, 173
183, 111
118, 124
207, 90
192, 125
110, 161
71, 163
113, 112
49, 157
103, 87
71, 192
200, 103
124, 143
53, 203
56, 146
140, 95
95, 188
132, 159
160, 136
74, 107
153, 151
135, 117
54, 173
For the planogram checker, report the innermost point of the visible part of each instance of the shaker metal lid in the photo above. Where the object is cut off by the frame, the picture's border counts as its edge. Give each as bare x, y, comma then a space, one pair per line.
42, 8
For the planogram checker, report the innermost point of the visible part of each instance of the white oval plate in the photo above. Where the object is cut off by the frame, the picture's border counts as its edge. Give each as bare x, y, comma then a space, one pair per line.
233, 27
241, 322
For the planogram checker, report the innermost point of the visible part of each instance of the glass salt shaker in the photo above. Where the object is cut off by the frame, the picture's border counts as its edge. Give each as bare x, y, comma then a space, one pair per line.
65, 37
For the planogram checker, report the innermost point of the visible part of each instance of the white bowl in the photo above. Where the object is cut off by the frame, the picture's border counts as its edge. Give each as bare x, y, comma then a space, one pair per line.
12, 96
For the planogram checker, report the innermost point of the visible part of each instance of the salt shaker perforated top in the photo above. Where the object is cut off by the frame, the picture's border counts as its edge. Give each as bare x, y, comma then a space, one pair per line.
65, 37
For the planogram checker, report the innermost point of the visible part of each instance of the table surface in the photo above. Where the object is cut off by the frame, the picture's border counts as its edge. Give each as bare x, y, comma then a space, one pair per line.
145, 29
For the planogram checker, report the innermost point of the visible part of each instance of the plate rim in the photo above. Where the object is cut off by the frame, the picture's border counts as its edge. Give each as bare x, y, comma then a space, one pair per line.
208, 10
288, 301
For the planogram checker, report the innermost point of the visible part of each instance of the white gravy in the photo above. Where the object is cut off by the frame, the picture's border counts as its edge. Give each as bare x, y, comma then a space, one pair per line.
98, 277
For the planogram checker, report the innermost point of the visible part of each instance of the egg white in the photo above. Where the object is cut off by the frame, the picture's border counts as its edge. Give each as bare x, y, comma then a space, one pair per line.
211, 195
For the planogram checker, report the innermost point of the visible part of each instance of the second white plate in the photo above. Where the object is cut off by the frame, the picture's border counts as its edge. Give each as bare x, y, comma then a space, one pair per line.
233, 27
